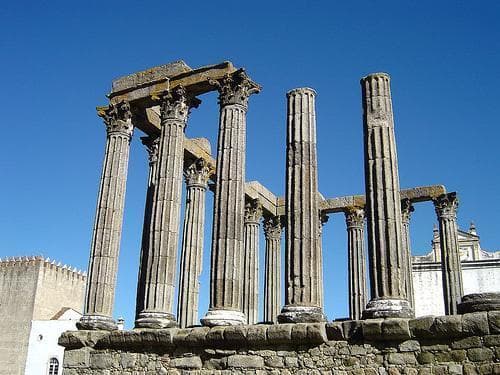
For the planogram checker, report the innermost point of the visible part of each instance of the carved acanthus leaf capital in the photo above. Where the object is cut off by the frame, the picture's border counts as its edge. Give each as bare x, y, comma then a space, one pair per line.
446, 205
118, 118
151, 144
235, 88
406, 210
175, 104
273, 226
253, 211
354, 217
198, 173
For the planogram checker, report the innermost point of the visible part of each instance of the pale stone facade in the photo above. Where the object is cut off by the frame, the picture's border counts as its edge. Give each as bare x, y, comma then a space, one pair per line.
480, 272
32, 289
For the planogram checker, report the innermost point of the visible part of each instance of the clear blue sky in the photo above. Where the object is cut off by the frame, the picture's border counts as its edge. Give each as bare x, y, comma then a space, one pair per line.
58, 59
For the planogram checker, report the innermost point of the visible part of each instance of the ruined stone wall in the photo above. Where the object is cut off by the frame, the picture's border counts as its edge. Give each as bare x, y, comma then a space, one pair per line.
458, 344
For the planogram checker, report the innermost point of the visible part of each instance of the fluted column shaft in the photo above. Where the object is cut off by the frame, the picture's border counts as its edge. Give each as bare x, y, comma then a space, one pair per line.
383, 203
105, 247
302, 256
159, 275
406, 210
196, 176
227, 235
446, 209
358, 298
151, 144
272, 282
250, 307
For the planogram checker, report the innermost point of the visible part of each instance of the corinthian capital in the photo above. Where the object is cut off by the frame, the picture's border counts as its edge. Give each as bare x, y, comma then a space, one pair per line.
175, 104
235, 88
354, 217
197, 173
151, 144
406, 210
118, 118
253, 211
446, 205
273, 226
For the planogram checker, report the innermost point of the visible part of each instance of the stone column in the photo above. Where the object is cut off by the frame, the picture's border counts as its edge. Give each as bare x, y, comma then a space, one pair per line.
229, 202
406, 210
302, 255
355, 218
383, 202
103, 263
272, 282
323, 219
158, 277
151, 144
196, 176
451, 268
250, 307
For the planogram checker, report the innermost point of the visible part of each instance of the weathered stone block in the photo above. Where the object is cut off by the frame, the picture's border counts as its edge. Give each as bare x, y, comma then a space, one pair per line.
475, 323
480, 354
353, 329
236, 335
470, 369
334, 331
494, 321
409, 346
77, 357
448, 326
127, 360
279, 333
372, 329
179, 338
425, 358
421, 327
245, 361
274, 361
256, 334
492, 340
455, 369
102, 361
466, 343
215, 336
395, 329
191, 362
401, 358
299, 332
316, 333
80, 339
197, 336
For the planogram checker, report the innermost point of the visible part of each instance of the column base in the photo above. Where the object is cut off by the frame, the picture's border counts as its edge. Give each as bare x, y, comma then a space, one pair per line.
223, 317
301, 314
388, 308
96, 322
479, 302
155, 320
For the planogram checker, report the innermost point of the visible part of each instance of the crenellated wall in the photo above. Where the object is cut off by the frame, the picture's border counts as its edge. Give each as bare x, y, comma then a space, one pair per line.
457, 344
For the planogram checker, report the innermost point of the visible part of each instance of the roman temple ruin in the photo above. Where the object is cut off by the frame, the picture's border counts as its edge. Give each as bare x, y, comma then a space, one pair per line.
381, 332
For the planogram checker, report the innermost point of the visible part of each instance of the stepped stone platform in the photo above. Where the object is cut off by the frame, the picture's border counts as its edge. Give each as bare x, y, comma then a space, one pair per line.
453, 344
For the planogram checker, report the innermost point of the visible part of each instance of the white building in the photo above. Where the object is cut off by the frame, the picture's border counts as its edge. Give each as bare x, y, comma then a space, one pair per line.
45, 356
480, 272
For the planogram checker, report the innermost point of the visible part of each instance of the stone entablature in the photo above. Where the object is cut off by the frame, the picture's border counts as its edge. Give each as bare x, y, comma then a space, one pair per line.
459, 344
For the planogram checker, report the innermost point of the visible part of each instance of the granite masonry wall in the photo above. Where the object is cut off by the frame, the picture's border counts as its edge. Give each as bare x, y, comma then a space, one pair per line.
455, 344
